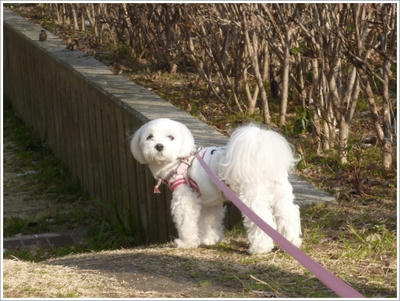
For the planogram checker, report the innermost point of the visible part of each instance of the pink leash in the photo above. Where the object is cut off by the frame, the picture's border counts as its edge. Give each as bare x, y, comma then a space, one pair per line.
341, 288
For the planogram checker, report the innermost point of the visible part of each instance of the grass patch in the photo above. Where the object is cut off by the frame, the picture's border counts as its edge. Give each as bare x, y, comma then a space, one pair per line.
48, 173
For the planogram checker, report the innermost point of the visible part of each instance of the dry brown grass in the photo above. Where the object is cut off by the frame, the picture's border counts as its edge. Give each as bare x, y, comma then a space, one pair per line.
160, 271
38, 280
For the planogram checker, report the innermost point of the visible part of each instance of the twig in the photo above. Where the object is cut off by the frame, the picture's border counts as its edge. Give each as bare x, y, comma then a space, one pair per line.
265, 283
15, 258
241, 282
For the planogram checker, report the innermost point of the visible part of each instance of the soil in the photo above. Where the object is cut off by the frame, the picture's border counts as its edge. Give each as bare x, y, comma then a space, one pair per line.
119, 274
20, 199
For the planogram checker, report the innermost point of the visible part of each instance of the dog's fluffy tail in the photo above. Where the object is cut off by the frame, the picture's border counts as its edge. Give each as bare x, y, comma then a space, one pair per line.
256, 155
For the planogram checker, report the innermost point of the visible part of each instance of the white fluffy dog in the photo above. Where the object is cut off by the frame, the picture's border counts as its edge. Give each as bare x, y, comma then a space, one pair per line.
255, 164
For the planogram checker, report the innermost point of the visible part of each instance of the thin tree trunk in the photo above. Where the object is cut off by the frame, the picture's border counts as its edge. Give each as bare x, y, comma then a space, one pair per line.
343, 139
346, 113
314, 92
83, 21
75, 16
387, 147
58, 14
251, 98
285, 79
91, 14
252, 48
372, 104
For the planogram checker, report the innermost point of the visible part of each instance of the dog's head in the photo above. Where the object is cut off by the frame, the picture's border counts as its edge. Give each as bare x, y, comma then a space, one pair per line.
161, 141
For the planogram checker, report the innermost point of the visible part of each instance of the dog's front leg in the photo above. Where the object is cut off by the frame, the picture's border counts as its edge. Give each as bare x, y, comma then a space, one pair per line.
185, 210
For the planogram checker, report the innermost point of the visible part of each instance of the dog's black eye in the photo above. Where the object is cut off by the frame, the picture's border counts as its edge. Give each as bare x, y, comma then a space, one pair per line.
149, 137
171, 137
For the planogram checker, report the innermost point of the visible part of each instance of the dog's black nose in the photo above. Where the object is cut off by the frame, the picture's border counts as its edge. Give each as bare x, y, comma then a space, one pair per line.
159, 147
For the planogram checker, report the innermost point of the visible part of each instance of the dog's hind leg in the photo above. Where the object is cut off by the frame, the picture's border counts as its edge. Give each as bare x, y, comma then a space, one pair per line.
185, 210
287, 214
260, 242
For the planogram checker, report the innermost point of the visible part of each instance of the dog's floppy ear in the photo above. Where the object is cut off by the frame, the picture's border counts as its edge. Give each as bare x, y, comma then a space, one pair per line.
135, 147
187, 141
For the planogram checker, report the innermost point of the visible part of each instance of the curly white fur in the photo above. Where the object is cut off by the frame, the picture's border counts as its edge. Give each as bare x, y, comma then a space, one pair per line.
255, 164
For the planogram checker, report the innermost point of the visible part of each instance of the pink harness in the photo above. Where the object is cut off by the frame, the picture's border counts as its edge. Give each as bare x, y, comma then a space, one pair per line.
182, 176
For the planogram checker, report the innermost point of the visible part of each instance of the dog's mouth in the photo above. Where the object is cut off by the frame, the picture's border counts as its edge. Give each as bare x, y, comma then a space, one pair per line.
159, 157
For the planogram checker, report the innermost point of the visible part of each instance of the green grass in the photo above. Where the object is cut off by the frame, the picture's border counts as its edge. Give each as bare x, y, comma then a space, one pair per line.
352, 235
50, 175
37, 255
59, 222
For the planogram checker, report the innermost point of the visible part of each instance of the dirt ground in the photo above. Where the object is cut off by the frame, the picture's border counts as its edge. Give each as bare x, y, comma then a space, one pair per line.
148, 272
19, 199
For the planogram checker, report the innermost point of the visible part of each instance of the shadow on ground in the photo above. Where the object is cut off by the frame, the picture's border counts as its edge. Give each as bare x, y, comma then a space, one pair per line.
202, 273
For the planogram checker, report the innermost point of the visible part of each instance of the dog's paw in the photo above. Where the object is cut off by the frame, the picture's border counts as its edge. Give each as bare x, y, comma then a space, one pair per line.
209, 242
211, 239
179, 243
296, 241
256, 249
